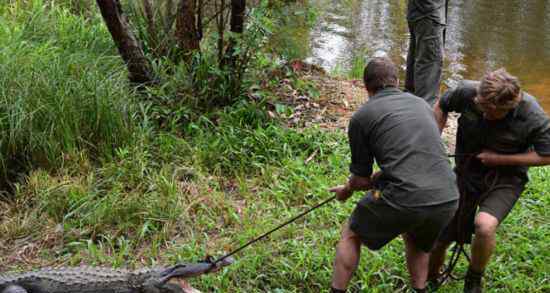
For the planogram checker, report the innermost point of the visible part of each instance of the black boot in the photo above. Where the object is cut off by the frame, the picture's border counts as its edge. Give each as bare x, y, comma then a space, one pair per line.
334, 290
472, 282
434, 283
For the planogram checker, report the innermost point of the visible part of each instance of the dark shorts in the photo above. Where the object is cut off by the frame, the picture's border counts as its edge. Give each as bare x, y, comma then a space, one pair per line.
377, 223
495, 196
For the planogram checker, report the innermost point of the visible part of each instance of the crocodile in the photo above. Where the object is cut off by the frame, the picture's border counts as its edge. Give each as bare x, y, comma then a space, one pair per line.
107, 280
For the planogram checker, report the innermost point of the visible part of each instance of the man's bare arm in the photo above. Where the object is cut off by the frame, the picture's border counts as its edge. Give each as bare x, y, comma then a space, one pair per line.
440, 117
354, 183
526, 159
359, 183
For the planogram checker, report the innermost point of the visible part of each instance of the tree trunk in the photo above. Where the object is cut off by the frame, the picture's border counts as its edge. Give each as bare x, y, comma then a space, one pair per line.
237, 15
139, 68
232, 61
186, 27
236, 26
221, 29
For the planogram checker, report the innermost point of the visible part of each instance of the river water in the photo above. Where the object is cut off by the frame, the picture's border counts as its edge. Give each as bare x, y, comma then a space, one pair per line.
482, 35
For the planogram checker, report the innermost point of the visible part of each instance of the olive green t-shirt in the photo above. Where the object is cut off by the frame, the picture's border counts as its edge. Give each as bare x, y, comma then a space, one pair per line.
524, 128
399, 131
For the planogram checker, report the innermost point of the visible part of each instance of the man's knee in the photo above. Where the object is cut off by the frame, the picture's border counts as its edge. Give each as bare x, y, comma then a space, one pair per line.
348, 251
346, 242
348, 238
485, 225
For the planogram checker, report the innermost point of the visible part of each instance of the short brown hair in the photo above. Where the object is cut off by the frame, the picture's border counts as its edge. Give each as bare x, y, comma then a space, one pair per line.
501, 89
380, 73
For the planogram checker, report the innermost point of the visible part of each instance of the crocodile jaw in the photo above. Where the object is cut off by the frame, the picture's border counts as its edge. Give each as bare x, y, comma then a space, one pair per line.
184, 285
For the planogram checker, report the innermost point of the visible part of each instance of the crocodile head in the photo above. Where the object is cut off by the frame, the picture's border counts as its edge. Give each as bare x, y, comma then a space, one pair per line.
172, 279
183, 284
174, 285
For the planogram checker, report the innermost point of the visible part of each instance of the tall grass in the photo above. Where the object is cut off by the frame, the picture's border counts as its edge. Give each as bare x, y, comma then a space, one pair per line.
358, 64
62, 89
353, 70
243, 137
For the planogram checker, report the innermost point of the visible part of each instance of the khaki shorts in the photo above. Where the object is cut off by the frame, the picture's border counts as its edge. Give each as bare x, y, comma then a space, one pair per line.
377, 223
496, 198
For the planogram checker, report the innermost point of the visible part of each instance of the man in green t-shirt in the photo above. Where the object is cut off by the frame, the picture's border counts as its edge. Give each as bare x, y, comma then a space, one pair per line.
417, 190
501, 132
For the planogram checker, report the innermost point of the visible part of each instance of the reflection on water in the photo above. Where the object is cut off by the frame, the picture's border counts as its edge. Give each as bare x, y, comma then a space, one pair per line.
482, 35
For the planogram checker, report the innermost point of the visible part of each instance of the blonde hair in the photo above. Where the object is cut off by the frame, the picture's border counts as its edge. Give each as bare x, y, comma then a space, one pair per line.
501, 89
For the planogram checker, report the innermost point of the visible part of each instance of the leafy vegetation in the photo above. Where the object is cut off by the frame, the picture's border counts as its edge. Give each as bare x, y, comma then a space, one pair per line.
56, 95
105, 175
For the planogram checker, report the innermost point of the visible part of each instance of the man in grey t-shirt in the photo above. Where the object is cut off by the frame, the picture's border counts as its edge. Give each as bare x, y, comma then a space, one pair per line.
501, 132
425, 56
417, 195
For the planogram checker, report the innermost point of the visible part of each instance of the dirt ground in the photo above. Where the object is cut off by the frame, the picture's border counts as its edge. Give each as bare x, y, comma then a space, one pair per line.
338, 99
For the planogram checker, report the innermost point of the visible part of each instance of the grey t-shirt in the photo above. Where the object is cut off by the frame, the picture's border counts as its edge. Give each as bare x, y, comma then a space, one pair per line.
433, 9
399, 131
525, 127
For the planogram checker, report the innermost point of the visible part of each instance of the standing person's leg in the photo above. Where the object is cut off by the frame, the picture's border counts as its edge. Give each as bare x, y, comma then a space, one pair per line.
417, 262
348, 252
428, 59
411, 55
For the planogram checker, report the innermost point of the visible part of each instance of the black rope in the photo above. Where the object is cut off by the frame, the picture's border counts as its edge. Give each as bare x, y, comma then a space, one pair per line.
458, 248
274, 229
294, 219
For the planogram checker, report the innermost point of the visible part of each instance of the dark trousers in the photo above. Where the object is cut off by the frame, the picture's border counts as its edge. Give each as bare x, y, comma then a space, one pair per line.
425, 59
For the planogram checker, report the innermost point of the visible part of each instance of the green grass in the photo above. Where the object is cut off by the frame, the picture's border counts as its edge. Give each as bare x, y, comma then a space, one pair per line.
104, 185
158, 203
55, 95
